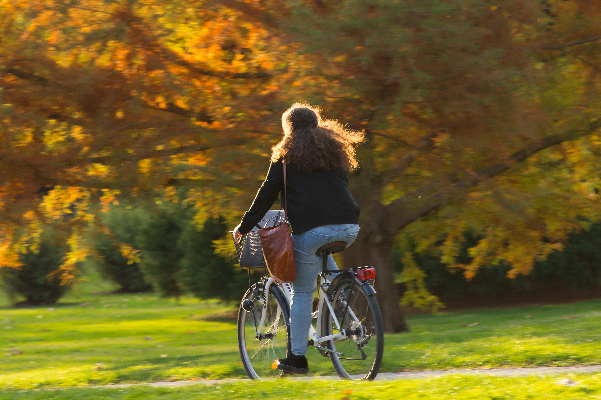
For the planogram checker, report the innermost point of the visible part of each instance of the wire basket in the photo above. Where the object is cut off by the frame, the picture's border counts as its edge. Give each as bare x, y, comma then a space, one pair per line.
249, 250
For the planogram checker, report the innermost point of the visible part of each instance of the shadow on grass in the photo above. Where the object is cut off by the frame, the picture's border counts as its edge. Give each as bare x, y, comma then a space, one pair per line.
172, 369
27, 305
228, 316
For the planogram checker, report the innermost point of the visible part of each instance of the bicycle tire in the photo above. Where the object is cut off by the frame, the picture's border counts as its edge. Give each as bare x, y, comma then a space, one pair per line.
259, 350
359, 356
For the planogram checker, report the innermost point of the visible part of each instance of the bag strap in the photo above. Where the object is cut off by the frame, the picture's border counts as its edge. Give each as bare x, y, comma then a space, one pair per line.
285, 199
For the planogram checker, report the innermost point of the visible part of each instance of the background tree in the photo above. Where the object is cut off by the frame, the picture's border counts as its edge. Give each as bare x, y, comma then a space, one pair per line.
109, 98
480, 117
114, 245
160, 254
571, 274
34, 280
202, 272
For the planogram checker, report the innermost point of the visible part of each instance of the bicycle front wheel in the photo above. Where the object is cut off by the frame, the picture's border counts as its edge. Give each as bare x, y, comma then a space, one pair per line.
261, 346
358, 355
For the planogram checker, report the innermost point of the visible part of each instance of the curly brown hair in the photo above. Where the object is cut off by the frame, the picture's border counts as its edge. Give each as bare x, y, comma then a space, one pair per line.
313, 143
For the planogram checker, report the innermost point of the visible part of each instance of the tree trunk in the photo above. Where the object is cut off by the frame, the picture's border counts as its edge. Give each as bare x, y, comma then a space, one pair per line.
374, 244
380, 223
371, 249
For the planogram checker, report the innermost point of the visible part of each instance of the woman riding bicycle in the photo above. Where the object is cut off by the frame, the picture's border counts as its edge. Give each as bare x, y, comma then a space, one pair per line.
321, 208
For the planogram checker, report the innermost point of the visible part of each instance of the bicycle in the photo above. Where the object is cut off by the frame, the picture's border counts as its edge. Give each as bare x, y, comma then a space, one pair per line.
347, 317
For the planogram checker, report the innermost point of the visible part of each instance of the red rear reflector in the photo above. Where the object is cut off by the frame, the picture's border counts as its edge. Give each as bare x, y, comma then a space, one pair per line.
366, 274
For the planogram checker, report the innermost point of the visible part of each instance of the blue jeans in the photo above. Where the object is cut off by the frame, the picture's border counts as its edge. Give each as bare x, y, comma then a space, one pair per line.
308, 266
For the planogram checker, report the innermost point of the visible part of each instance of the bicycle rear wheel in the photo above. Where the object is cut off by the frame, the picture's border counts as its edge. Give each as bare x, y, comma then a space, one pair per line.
359, 354
259, 349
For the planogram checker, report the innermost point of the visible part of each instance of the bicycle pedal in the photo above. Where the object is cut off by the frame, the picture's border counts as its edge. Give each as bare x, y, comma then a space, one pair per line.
323, 351
282, 373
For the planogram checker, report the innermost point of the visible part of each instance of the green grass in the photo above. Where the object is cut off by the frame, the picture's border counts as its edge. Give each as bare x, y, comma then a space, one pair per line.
93, 338
556, 335
117, 339
449, 387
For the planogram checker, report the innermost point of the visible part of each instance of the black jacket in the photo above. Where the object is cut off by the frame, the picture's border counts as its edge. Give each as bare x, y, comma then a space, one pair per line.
314, 198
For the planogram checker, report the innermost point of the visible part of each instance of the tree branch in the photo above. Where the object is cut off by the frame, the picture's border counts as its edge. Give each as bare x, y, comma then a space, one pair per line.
254, 13
425, 200
574, 43
150, 43
135, 157
426, 144
26, 75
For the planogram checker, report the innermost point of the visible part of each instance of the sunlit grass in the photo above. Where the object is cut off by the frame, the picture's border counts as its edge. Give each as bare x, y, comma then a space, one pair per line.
458, 387
93, 338
534, 336
98, 338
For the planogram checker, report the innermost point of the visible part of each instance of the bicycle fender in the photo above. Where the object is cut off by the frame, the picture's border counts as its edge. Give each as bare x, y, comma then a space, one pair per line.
343, 274
368, 289
280, 294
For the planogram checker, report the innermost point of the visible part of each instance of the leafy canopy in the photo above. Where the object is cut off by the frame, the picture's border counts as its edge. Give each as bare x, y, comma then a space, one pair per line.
481, 117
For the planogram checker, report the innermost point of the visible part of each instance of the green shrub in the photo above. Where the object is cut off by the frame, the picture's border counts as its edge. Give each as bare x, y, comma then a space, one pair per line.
34, 279
577, 267
114, 267
175, 256
160, 258
204, 274
110, 262
563, 275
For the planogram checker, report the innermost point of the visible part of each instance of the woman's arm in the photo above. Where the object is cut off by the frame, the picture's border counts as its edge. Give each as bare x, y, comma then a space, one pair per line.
267, 195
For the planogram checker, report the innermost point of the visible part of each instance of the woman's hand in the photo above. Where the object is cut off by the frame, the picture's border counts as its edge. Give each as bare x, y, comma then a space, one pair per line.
237, 234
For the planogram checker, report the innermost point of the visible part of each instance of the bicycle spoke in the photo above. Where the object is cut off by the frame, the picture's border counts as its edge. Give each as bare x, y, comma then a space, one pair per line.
260, 346
359, 353
268, 342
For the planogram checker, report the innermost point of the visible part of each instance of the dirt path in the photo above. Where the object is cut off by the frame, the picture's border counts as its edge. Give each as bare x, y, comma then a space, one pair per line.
386, 376
494, 372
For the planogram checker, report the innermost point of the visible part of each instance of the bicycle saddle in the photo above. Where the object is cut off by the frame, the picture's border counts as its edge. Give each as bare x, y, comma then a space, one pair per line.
331, 248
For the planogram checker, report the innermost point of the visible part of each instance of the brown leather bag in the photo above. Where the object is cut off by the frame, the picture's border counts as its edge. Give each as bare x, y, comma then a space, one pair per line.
277, 247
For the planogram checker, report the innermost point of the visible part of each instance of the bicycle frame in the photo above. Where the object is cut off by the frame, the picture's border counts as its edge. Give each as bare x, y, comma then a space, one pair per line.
323, 299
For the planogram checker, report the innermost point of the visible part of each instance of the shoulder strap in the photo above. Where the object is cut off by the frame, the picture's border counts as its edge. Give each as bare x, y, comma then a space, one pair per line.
285, 199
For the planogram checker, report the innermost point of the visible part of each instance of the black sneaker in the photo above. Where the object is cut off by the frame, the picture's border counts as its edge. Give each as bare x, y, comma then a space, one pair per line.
293, 363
